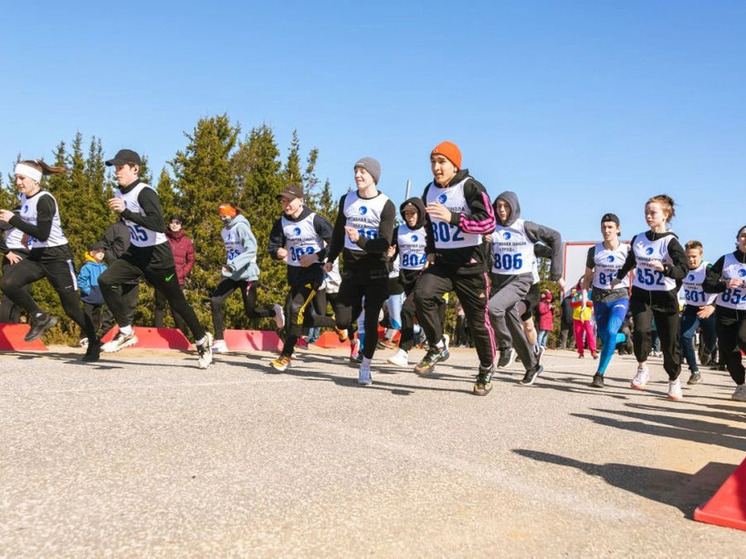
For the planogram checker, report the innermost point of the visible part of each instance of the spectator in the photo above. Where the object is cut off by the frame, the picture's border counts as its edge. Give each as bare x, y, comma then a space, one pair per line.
566, 323
183, 250
90, 292
546, 318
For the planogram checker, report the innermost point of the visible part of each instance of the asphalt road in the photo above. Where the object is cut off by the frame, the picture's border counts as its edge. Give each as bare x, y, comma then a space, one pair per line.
144, 455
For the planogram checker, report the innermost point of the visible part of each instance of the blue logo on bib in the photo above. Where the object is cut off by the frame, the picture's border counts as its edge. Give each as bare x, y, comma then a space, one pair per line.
742, 273
610, 258
415, 238
296, 230
506, 235
649, 251
363, 210
442, 198
691, 277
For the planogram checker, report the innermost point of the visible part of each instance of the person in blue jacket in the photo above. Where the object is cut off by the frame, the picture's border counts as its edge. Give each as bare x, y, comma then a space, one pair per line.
90, 292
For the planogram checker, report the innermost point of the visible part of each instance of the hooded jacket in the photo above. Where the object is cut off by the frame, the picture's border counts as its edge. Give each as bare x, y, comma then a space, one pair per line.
88, 280
183, 250
243, 267
477, 219
408, 277
534, 233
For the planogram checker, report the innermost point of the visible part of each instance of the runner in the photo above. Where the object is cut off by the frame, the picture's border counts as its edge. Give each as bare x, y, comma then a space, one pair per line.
727, 277
362, 233
239, 272
609, 305
300, 237
149, 255
660, 265
699, 312
458, 212
512, 274
49, 257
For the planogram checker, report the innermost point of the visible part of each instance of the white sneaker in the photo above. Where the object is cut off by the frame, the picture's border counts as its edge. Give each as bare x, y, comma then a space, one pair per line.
365, 378
83, 342
279, 316
740, 394
219, 347
447, 340
641, 377
205, 352
674, 390
400, 359
119, 342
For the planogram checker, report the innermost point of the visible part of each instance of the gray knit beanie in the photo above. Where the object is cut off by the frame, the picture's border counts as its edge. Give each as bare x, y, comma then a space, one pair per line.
372, 166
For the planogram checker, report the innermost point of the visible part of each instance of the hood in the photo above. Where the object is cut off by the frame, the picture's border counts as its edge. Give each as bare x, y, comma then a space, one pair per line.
176, 235
515, 207
236, 220
90, 258
417, 203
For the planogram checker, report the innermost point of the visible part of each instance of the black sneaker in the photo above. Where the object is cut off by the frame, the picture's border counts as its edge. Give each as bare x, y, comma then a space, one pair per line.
432, 358
695, 378
598, 381
39, 325
706, 359
507, 357
93, 351
483, 386
531, 375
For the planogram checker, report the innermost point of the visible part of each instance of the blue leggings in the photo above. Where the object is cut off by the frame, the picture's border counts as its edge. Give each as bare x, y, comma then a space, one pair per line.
609, 319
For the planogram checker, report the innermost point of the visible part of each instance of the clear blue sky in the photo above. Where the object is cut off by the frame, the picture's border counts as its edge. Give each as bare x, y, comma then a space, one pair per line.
579, 107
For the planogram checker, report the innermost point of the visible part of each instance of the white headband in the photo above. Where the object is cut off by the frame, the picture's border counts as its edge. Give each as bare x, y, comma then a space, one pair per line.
28, 171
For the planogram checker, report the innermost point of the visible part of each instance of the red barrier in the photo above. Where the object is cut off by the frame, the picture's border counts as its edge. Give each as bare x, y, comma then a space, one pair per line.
154, 338
259, 340
11, 339
728, 506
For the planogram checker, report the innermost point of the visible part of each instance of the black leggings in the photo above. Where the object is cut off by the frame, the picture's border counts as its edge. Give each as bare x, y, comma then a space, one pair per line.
349, 305
731, 329
297, 315
61, 275
10, 313
248, 294
118, 279
667, 325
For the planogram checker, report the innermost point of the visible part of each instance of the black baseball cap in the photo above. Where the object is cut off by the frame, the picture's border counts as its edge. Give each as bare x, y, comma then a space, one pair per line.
291, 191
176, 217
98, 245
610, 217
123, 157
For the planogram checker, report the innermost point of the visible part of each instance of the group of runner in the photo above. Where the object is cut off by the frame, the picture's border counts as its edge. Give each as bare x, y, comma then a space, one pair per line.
452, 238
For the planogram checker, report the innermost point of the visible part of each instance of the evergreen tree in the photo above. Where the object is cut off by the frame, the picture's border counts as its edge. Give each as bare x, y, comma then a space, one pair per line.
203, 179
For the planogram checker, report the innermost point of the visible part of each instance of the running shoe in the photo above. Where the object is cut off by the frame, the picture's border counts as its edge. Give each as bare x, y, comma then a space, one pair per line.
281, 364
93, 351
694, 378
355, 355
400, 359
530, 376
364, 377
39, 325
204, 351
598, 381
483, 386
740, 394
507, 357
641, 378
432, 358
219, 346
120, 342
674, 390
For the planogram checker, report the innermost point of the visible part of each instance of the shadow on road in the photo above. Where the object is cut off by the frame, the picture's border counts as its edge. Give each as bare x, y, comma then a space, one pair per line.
680, 490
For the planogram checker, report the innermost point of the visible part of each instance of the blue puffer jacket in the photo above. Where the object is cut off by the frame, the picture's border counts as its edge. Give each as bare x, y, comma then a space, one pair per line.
90, 292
